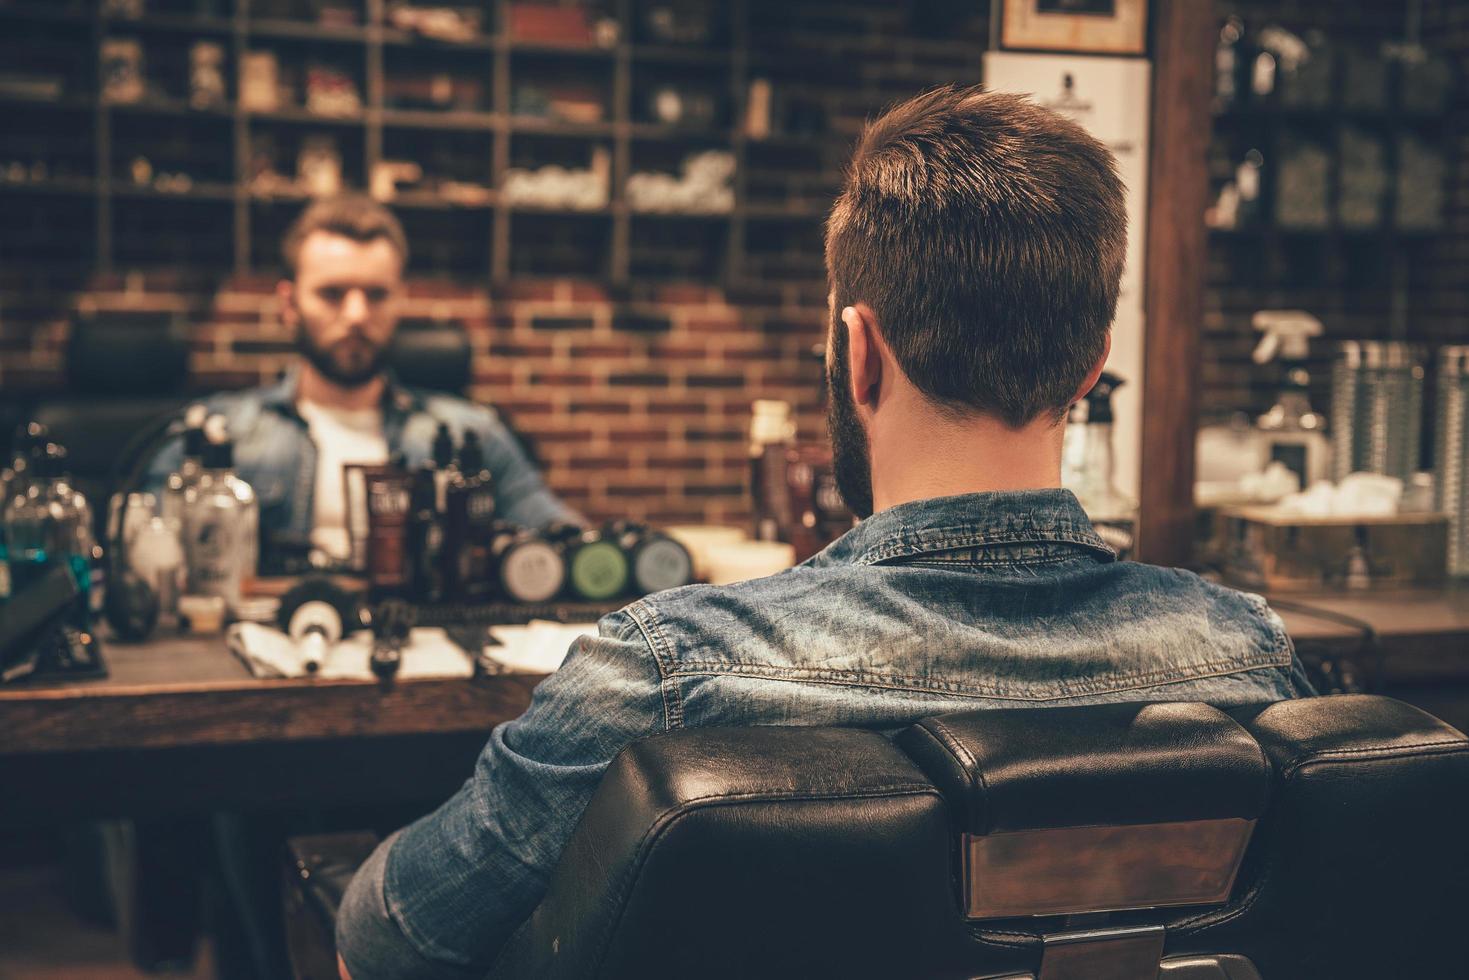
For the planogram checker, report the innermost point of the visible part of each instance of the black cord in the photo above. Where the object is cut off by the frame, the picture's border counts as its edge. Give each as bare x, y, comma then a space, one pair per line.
1370, 645
139, 451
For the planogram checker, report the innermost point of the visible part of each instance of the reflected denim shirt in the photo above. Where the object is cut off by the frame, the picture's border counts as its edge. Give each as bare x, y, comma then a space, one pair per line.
275, 455
992, 600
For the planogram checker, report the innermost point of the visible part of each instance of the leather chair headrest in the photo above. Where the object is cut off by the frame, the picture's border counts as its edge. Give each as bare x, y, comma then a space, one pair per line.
127, 354
1100, 765
433, 355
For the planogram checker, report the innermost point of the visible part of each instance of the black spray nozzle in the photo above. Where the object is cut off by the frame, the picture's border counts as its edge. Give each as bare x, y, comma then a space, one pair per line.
471, 454
1099, 399
194, 442
194, 438
218, 455
443, 451
422, 494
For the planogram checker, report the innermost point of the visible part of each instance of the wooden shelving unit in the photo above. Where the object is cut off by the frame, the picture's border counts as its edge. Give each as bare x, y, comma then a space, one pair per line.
506, 230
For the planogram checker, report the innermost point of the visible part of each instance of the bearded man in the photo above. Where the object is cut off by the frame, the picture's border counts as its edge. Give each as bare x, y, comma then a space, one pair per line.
974, 258
339, 403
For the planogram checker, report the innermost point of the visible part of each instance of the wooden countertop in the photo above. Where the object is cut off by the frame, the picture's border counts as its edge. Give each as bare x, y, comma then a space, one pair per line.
192, 692
1422, 634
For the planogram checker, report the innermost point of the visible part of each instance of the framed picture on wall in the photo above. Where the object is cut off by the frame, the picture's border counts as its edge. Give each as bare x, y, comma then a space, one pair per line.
1090, 26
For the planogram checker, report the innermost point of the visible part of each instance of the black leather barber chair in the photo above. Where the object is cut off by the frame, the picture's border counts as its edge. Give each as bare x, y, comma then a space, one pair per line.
124, 372
435, 355
431, 354
1310, 839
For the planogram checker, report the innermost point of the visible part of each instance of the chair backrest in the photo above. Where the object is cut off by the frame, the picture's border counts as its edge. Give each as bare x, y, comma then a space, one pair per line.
1317, 838
124, 372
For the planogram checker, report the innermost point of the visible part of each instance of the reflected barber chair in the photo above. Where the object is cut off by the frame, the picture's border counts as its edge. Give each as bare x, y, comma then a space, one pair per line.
125, 372
1305, 839
433, 355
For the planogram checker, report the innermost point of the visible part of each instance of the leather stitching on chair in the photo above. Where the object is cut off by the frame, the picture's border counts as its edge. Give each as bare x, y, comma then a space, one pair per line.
969, 766
1383, 751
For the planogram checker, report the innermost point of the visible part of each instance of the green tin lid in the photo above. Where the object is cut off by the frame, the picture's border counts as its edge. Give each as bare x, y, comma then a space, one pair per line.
599, 571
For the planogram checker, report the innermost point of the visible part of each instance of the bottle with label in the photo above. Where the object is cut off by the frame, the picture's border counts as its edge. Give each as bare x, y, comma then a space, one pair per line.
1294, 434
15, 479
1089, 466
425, 538
51, 522
221, 523
155, 554
176, 486
30, 443
469, 522
442, 462
772, 436
388, 491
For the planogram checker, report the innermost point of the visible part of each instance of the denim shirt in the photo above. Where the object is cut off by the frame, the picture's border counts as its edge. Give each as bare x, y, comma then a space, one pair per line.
991, 600
275, 455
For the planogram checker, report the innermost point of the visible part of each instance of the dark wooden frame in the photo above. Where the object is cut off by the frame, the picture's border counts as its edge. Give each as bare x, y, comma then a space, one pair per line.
1174, 275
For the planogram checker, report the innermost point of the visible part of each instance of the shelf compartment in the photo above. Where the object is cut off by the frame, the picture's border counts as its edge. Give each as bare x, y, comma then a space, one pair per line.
551, 243
168, 231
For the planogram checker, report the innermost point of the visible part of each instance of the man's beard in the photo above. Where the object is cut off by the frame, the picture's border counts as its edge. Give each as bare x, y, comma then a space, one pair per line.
350, 362
851, 459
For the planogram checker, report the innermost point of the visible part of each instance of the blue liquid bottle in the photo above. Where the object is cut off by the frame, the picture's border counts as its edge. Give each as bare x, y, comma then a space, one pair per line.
50, 522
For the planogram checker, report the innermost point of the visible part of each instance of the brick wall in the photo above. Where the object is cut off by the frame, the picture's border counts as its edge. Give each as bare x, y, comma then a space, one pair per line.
1417, 290
637, 403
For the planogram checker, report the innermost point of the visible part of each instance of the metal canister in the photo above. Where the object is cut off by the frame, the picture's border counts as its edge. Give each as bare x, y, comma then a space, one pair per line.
1376, 408
657, 562
1452, 452
596, 567
1347, 382
528, 568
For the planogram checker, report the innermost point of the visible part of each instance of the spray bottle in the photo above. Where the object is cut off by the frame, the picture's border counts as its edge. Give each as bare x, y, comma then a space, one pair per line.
1089, 466
1293, 434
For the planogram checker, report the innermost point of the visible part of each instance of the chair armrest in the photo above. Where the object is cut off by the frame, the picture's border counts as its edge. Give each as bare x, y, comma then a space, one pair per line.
317, 872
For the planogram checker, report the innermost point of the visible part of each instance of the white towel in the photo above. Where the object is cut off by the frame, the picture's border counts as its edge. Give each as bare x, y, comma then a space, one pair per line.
536, 648
268, 652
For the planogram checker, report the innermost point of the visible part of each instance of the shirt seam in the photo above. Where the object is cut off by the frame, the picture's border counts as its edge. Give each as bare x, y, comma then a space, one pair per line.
657, 646
1125, 682
906, 544
929, 560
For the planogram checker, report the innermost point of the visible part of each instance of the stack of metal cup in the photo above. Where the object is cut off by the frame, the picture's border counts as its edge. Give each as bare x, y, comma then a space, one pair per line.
1376, 409
1452, 452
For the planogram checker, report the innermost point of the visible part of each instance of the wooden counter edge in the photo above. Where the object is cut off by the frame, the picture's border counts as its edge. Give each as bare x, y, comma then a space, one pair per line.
75, 719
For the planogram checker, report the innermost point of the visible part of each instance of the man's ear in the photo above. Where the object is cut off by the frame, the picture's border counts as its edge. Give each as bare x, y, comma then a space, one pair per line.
1090, 381
864, 354
285, 293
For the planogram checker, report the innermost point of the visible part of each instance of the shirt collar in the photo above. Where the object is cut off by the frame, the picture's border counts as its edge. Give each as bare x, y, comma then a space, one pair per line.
281, 396
971, 520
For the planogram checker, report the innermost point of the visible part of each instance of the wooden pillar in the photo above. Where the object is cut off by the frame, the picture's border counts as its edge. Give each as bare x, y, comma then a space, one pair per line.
1183, 51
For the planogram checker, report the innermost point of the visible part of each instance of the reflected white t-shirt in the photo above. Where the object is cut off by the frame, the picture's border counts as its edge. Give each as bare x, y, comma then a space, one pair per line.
342, 436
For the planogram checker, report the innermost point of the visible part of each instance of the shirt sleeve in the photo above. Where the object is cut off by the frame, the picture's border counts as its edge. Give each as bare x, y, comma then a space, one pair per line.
521, 496
440, 898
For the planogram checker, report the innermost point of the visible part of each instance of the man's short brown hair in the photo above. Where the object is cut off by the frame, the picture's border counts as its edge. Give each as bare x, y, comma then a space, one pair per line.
350, 215
988, 236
